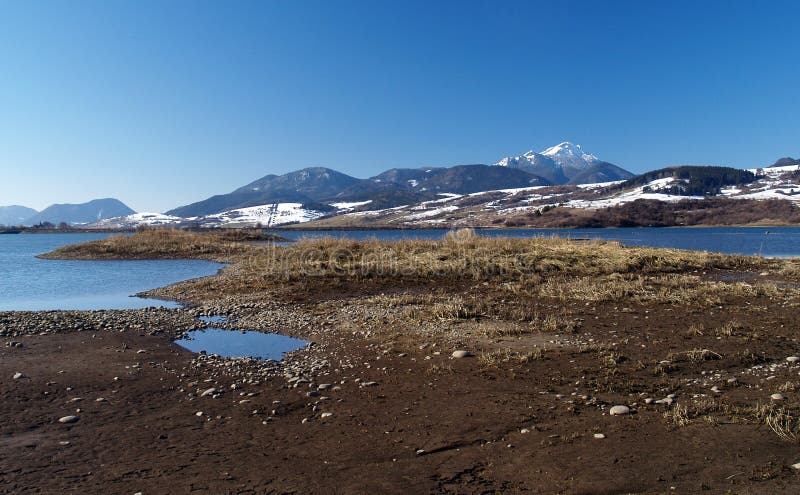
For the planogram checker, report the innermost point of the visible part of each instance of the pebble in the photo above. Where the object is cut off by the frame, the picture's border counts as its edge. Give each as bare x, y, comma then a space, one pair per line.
18, 376
792, 359
208, 392
619, 410
796, 466
716, 389
777, 397
324, 386
68, 419
461, 354
326, 415
599, 436
198, 413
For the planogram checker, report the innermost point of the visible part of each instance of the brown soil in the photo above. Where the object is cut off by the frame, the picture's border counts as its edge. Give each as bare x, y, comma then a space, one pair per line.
512, 419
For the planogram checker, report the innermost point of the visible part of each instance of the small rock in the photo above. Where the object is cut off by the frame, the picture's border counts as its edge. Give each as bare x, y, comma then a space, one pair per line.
648, 400
461, 354
208, 392
796, 466
324, 386
792, 359
524, 430
369, 384
716, 389
198, 413
777, 397
619, 410
68, 419
326, 415
599, 436
19, 376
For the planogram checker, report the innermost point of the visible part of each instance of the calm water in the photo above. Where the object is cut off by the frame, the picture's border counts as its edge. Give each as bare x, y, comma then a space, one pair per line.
234, 343
764, 241
29, 283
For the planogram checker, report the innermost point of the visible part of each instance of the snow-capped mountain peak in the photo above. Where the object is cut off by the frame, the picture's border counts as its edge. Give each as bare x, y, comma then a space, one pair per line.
562, 163
572, 155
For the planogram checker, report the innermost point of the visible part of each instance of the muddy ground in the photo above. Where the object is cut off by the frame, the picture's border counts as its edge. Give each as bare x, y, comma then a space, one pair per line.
377, 407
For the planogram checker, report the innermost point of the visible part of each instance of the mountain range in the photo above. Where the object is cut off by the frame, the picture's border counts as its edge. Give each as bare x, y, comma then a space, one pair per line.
15, 214
92, 211
565, 163
562, 175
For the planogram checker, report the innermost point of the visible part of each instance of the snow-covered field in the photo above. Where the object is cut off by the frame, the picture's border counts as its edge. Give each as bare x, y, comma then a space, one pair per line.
266, 215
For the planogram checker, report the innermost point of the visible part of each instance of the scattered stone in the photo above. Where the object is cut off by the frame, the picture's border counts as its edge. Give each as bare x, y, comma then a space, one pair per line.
198, 413
19, 376
716, 389
326, 415
648, 400
100, 399
68, 419
777, 397
796, 466
461, 354
792, 359
524, 430
369, 384
599, 436
324, 386
619, 410
207, 392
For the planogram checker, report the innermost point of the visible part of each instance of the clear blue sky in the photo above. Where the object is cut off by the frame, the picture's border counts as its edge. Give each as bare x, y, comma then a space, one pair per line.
167, 102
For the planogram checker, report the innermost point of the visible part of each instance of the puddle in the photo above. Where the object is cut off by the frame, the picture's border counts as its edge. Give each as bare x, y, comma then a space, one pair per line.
236, 343
214, 320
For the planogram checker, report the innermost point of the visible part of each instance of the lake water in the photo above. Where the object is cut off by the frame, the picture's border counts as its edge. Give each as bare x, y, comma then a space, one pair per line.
233, 343
764, 241
31, 284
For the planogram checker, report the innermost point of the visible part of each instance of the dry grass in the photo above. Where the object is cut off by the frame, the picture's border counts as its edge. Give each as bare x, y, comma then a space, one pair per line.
694, 356
466, 256
504, 356
157, 244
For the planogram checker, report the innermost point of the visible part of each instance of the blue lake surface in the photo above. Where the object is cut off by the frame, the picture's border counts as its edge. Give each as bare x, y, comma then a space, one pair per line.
763, 241
31, 284
234, 343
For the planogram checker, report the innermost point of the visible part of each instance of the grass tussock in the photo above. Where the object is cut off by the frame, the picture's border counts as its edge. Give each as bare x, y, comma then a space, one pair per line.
158, 244
506, 356
463, 255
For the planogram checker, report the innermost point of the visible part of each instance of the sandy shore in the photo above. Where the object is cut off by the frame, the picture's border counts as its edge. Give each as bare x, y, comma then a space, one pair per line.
378, 403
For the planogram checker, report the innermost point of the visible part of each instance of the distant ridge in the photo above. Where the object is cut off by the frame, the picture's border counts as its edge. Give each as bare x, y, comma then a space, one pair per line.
786, 161
303, 186
97, 209
15, 214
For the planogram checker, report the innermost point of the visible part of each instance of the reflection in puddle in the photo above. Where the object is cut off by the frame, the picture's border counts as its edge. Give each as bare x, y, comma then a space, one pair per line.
236, 343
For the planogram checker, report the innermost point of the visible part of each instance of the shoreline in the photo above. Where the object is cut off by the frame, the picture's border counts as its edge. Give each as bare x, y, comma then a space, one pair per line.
379, 389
